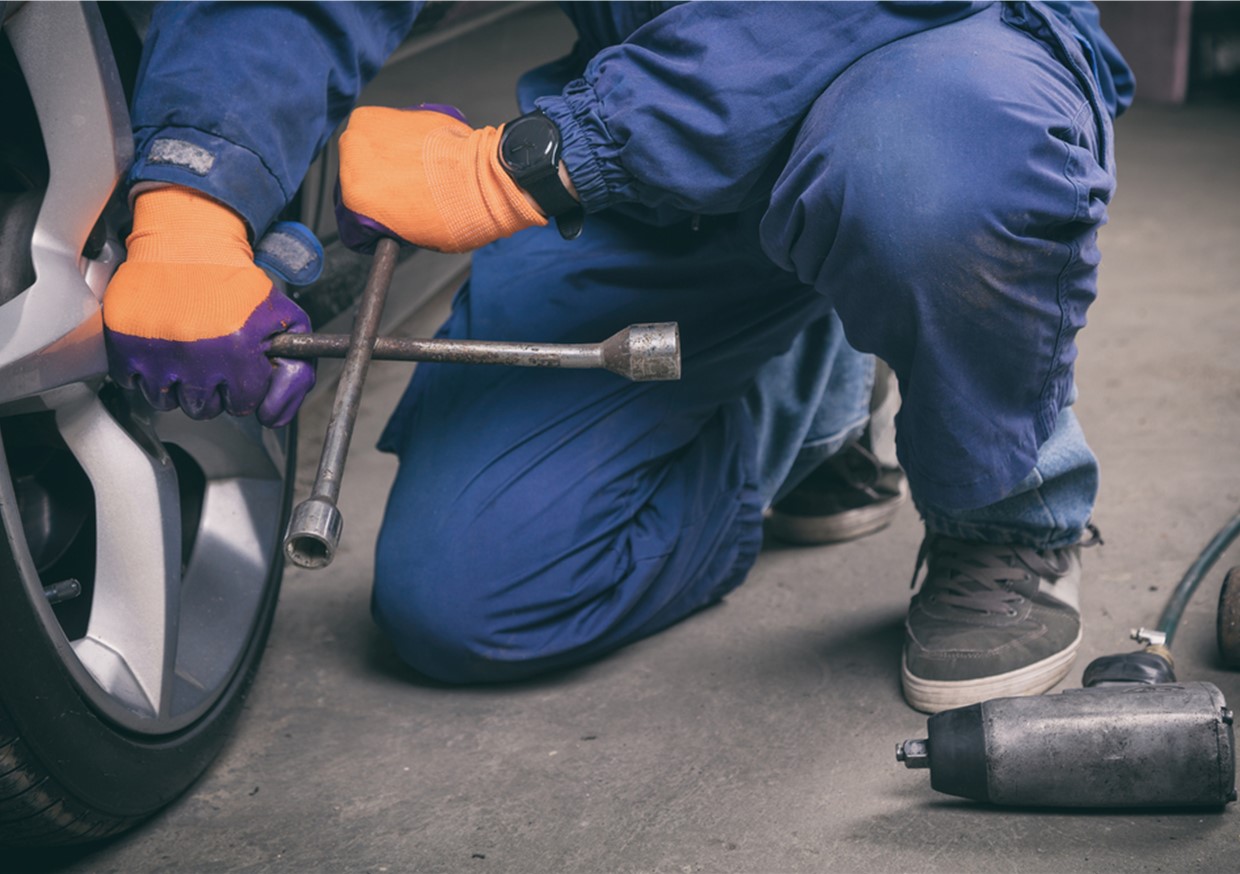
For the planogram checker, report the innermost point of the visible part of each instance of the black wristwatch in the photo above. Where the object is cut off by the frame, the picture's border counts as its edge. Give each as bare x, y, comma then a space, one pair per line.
529, 151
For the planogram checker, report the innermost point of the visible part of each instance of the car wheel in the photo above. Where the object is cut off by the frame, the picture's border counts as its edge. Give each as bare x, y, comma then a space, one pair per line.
139, 551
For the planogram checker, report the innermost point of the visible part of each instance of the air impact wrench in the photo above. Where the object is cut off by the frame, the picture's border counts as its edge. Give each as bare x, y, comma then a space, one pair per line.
1133, 737
638, 352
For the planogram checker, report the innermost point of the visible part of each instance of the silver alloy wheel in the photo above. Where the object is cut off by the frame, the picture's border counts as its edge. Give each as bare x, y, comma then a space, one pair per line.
163, 637
166, 628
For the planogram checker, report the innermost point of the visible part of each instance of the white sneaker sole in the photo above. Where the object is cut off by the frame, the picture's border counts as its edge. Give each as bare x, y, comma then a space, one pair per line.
931, 696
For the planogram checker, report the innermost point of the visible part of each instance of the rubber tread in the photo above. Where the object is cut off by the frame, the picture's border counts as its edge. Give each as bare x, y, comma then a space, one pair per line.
14, 800
34, 809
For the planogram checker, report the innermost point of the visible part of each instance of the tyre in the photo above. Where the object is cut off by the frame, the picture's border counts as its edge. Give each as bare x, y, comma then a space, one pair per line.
140, 551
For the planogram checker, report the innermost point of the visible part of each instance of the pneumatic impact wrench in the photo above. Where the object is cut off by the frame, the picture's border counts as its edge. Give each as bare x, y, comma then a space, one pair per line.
1133, 737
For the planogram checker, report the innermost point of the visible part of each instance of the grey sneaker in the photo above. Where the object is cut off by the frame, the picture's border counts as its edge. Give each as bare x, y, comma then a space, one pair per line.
849, 495
990, 621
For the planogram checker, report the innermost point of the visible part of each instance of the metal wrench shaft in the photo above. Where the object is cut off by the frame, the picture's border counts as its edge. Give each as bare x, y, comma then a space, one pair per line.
639, 352
316, 523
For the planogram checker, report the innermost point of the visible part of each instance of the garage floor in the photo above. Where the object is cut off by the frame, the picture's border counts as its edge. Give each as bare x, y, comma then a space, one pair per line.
757, 736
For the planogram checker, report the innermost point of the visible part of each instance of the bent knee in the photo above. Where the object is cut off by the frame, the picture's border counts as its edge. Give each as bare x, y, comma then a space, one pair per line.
471, 616
435, 616
445, 641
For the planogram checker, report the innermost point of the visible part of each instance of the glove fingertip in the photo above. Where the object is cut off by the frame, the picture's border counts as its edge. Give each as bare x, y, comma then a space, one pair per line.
162, 398
290, 384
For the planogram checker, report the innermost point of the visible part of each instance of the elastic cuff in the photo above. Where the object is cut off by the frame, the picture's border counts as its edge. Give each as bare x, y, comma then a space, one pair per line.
575, 113
229, 173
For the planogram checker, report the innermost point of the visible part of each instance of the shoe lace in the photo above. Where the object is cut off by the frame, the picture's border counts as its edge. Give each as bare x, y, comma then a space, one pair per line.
987, 578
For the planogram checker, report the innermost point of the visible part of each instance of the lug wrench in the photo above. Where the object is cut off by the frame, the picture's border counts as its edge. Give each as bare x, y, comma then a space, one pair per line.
638, 352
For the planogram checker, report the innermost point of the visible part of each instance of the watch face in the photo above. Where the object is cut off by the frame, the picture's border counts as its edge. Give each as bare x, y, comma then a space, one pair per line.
530, 143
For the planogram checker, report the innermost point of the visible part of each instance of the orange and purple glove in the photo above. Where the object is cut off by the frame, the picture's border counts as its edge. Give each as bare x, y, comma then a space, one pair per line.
189, 316
426, 177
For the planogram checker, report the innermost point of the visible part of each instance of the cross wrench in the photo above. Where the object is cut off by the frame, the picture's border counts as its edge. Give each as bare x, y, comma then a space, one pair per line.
638, 352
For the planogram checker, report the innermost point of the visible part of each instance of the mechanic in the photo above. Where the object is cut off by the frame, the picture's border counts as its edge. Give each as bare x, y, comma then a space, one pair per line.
791, 183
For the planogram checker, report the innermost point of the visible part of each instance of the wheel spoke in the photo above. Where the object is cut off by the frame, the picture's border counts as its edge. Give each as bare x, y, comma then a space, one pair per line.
61, 309
223, 587
221, 595
130, 644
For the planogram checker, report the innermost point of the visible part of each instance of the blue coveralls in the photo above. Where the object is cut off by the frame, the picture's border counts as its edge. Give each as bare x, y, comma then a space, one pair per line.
925, 181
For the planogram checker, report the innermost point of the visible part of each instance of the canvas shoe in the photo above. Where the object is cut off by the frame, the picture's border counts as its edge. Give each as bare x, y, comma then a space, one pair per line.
990, 621
849, 495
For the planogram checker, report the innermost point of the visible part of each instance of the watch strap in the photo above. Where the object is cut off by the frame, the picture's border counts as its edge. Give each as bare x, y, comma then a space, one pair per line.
554, 200
543, 183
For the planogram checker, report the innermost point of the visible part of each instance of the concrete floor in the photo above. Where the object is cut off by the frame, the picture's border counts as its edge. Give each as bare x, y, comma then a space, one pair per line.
757, 736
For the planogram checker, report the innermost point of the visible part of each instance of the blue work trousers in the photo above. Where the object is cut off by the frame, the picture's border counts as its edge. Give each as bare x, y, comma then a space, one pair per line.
938, 209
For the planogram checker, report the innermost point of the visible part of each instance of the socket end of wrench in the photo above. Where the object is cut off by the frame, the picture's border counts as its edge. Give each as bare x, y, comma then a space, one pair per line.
313, 533
914, 753
644, 353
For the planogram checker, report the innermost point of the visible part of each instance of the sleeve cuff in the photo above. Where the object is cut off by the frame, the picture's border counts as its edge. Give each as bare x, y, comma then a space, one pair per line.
230, 173
585, 146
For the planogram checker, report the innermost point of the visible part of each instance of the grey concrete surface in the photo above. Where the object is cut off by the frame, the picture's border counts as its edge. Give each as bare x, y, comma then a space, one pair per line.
757, 736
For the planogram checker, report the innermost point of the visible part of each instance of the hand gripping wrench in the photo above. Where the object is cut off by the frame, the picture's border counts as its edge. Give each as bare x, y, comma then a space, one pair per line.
638, 352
